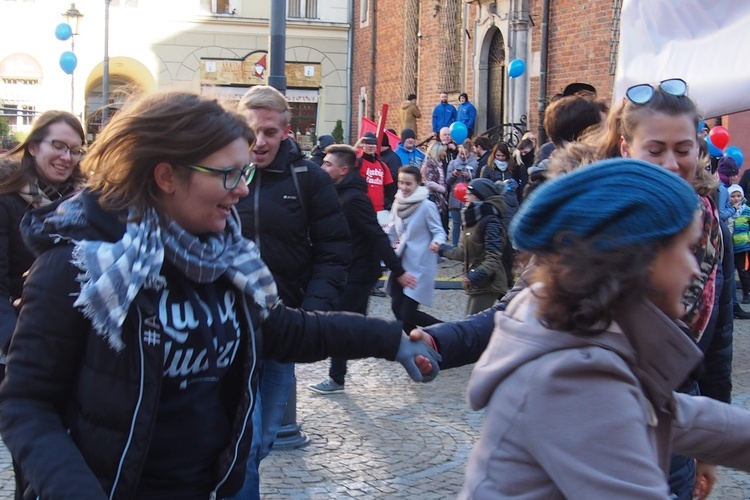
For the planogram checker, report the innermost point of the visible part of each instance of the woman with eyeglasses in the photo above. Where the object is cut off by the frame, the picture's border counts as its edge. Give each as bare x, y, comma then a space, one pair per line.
132, 371
40, 170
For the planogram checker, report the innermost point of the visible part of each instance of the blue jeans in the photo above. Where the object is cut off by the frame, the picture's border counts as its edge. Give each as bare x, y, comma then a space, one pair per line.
456, 230
275, 382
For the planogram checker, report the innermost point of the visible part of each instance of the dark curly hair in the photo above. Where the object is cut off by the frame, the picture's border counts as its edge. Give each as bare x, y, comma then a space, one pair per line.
585, 289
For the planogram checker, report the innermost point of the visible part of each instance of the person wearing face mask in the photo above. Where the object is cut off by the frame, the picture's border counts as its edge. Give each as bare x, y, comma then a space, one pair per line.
501, 167
37, 172
524, 158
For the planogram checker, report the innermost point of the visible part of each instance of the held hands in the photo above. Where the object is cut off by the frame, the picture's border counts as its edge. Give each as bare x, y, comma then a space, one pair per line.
434, 247
407, 280
414, 355
424, 364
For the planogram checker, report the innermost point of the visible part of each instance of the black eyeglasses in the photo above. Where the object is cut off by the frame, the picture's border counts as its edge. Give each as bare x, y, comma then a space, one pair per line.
230, 176
61, 148
644, 92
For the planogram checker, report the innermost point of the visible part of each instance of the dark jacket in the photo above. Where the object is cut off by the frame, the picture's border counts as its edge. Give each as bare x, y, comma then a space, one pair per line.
370, 244
95, 409
481, 249
305, 243
15, 260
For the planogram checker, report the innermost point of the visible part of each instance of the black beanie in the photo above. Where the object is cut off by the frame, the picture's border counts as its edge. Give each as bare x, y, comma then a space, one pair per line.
407, 133
483, 188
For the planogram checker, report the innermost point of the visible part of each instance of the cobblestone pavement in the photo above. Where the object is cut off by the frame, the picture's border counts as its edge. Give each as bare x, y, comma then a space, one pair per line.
387, 437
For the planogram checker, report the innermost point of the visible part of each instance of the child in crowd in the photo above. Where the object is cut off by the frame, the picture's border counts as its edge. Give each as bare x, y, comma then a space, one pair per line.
741, 238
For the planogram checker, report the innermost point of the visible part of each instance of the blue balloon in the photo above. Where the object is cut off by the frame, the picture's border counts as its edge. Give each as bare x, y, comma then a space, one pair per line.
68, 62
63, 31
734, 153
712, 150
459, 132
516, 68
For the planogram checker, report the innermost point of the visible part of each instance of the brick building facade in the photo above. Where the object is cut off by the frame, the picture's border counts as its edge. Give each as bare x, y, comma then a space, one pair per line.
427, 46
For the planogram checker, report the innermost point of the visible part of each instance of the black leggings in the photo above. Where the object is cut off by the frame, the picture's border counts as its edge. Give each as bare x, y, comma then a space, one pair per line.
740, 261
407, 310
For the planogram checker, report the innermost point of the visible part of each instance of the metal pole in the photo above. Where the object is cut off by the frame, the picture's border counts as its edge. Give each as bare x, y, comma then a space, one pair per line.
72, 78
290, 435
105, 71
277, 74
541, 133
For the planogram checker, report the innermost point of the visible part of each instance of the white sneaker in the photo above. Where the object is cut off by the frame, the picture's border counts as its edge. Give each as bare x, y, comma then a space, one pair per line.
327, 387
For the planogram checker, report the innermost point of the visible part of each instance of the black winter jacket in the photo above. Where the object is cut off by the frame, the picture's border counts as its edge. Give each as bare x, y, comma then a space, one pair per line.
305, 243
15, 260
78, 416
370, 244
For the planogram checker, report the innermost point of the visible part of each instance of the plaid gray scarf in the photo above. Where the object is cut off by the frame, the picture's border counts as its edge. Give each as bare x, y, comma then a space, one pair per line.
114, 273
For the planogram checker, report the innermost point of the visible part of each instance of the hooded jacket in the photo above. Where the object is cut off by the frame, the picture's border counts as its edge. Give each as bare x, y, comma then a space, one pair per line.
304, 242
414, 157
575, 416
95, 409
409, 114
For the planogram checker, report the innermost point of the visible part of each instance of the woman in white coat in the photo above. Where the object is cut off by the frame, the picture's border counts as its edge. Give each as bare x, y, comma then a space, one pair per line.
416, 234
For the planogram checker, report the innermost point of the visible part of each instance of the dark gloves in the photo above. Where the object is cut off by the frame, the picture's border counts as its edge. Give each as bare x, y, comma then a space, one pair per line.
408, 349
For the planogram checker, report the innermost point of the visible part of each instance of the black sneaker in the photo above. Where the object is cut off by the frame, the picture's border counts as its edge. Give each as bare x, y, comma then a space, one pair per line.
740, 313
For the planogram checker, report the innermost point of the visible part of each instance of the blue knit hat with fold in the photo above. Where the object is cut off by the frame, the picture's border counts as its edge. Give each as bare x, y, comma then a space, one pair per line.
620, 202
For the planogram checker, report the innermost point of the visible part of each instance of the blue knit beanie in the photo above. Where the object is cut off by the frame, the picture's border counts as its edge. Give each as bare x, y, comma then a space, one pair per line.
620, 201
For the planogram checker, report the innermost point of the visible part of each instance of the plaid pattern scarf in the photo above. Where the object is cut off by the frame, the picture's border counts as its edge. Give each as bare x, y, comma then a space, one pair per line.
114, 273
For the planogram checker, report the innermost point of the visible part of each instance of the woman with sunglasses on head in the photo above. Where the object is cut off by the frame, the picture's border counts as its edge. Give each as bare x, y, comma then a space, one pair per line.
132, 371
659, 124
37, 172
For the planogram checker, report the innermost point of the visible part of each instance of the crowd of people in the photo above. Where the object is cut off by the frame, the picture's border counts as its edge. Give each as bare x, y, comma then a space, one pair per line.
159, 284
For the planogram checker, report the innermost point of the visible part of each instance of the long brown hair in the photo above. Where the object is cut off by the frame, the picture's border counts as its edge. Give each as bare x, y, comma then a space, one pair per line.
175, 127
18, 167
625, 118
504, 148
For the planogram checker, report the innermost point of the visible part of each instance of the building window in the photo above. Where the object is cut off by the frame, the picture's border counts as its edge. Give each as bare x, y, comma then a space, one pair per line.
364, 10
10, 111
27, 114
307, 9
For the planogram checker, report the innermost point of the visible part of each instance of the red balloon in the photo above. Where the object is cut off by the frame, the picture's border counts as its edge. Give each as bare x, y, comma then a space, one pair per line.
719, 137
459, 191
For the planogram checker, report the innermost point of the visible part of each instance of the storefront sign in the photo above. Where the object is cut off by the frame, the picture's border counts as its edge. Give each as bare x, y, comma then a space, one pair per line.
253, 70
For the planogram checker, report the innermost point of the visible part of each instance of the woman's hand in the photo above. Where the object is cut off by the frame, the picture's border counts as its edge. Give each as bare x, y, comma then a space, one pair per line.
434, 247
407, 280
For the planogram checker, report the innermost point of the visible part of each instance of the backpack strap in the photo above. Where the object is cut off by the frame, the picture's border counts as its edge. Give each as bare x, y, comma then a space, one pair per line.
298, 169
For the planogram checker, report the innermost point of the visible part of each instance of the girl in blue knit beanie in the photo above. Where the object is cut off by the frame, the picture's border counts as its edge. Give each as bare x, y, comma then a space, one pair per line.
578, 380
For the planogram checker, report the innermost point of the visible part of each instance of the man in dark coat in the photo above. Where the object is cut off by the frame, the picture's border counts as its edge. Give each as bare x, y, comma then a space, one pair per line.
293, 216
318, 152
370, 245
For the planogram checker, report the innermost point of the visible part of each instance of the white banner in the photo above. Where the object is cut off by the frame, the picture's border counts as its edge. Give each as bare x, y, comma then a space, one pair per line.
704, 42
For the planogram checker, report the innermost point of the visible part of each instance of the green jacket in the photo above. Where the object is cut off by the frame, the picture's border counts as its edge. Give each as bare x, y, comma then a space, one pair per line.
482, 246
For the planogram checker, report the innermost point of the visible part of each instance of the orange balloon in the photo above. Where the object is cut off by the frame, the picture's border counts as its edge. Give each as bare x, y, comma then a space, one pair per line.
459, 191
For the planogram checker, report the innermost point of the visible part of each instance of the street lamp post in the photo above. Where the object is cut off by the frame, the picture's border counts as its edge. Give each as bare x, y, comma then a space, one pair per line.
73, 17
105, 73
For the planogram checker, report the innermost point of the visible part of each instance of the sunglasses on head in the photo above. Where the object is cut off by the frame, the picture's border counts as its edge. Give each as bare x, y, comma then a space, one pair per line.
644, 92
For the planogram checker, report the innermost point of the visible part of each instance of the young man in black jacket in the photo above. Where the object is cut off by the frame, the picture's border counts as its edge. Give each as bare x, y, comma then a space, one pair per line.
293, 215
370, 245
